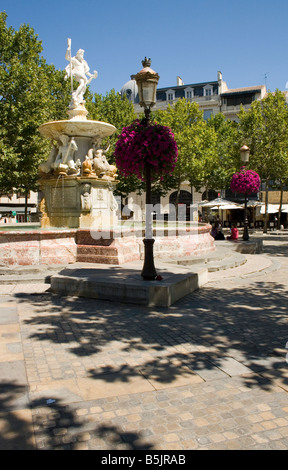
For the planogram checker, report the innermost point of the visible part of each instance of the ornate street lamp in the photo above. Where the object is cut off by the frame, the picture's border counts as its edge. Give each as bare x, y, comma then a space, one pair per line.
147, 81
244, 155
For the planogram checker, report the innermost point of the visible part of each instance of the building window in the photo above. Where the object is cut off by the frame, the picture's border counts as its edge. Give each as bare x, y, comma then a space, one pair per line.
208, 90
170, 95
207, 114
189, 93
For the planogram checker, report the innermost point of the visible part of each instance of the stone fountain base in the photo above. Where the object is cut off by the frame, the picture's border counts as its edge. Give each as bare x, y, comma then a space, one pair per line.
37, 247
107, 265
117, 247
78, 202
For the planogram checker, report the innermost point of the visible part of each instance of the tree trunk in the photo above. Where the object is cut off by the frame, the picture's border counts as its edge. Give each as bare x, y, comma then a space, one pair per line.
266, 208
26, 206
206, 218
177, 199
280, 206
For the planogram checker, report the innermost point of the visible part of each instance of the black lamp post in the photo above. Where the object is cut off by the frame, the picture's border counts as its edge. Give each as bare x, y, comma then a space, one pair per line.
244, 155
147, 81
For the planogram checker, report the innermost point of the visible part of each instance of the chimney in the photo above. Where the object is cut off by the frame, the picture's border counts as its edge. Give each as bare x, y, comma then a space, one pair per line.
179, 81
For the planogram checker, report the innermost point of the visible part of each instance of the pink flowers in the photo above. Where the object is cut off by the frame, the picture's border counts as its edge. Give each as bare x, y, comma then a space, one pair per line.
141, 144
245, 181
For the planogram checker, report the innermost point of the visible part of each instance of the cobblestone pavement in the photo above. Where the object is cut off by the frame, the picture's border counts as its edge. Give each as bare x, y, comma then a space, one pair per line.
210, 372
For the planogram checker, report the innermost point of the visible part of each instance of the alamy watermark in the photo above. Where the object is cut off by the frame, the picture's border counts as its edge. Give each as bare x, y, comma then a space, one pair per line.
155, 220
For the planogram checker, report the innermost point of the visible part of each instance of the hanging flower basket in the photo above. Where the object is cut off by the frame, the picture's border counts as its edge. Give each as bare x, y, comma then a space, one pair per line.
140, 144
245, 181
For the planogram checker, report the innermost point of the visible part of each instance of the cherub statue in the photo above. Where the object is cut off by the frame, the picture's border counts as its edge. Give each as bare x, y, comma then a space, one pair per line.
79, 69
65, 159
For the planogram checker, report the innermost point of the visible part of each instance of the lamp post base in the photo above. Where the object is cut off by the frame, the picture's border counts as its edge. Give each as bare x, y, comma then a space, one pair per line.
245, 234
148, 272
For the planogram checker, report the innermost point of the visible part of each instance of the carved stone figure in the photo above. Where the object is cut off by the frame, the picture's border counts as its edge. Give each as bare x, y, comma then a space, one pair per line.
114, 205
87, 166
79, 69
65, 159
46, 166
101, 166
86, 202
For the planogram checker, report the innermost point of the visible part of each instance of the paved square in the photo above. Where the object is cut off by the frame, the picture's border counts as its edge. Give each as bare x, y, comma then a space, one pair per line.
208, 372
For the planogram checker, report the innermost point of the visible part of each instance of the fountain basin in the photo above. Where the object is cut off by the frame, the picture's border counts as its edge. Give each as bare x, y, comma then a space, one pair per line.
92, 129
37, 247
84, 133
118, 246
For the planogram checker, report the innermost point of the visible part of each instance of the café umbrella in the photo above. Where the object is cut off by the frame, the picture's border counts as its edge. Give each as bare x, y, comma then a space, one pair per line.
221, 204
218, 202
226, 207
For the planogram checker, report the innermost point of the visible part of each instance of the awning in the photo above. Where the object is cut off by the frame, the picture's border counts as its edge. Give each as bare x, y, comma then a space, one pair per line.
230, 207
271, 209
284, 208
18, 209
219, 201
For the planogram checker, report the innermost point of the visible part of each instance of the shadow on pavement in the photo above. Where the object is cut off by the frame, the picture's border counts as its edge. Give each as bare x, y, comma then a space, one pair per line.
16, 429
247, 323
57, 426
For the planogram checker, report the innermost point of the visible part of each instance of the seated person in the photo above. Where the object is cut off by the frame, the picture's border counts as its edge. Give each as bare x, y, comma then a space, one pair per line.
220, 234
214, 230
234, 233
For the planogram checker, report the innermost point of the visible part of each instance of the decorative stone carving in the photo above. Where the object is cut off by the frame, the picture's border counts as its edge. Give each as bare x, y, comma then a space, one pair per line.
64, 161
83, 196
87, 167
79, 69
86, 202
101, 167
114, 204
46, 167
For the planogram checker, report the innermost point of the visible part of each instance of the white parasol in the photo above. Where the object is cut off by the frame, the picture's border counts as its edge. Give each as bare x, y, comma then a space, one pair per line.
216, 203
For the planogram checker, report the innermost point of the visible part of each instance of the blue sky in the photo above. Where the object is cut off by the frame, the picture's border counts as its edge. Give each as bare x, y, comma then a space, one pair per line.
193, 39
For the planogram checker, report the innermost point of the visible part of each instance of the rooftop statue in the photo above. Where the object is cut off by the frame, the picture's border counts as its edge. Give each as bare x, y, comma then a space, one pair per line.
78, 69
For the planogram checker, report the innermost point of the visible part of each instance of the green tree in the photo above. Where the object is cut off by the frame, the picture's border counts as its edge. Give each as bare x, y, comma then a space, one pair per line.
226, 157
264, 128
31, 93
194, 141
119, 112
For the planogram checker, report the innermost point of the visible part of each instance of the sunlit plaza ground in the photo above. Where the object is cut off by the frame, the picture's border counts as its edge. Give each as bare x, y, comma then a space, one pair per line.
208, 372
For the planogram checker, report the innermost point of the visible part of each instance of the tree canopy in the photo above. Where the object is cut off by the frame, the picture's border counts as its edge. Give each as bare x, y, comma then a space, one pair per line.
186, 122
118, 111
264, 128
31, 93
